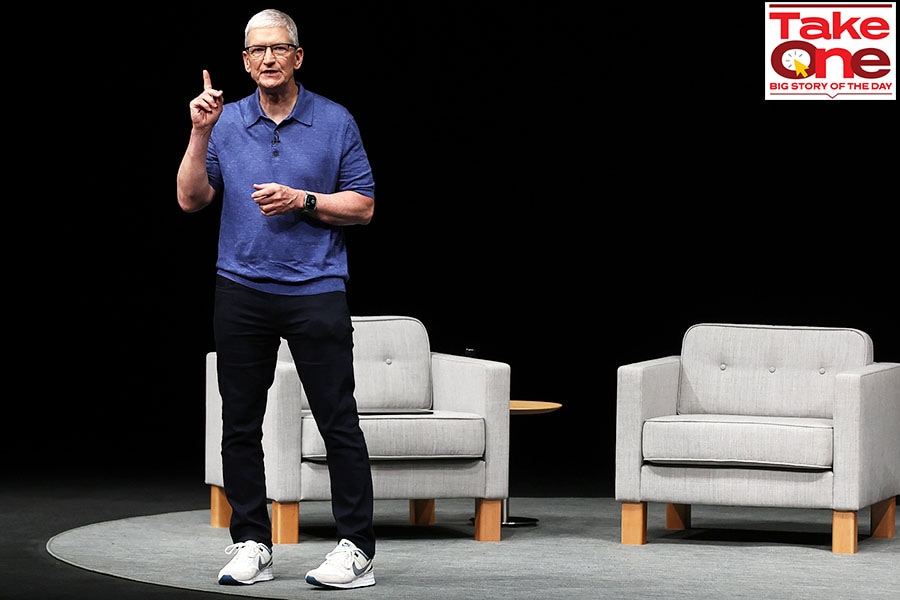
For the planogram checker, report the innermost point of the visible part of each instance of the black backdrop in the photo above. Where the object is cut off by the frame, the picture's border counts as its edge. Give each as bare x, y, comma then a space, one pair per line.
554, 188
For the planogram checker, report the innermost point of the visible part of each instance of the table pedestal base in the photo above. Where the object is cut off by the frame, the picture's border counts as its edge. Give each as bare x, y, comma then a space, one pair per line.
523, 407
508, 521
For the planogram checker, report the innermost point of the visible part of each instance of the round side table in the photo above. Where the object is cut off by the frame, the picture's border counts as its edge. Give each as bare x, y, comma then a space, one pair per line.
524, 407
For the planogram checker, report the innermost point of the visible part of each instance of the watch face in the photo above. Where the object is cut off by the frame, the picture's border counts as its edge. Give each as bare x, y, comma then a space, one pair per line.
310, 203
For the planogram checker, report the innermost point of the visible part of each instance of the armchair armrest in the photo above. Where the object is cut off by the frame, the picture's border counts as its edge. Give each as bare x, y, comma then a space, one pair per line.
643, 390
213, 435
281, 434
479, 386
866, 435
281, 431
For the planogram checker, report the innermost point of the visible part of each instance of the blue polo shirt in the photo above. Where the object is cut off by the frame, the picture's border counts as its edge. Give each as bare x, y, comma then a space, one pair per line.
318, 148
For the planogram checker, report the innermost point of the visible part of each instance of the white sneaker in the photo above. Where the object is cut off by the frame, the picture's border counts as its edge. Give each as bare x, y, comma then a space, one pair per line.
251, 563
345, 567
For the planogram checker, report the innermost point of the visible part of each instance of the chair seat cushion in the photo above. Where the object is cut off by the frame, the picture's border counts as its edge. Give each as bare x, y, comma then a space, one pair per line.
404, 436
739, 440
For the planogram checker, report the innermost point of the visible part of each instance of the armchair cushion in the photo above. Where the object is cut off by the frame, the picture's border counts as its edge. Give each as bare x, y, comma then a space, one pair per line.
764, 370
391, 363
739, 440
438, 434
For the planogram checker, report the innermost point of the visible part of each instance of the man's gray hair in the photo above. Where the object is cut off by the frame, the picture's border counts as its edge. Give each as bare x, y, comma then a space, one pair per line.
272, 18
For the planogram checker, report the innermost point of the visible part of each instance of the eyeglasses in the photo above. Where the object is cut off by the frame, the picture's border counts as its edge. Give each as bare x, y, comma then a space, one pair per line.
279, 50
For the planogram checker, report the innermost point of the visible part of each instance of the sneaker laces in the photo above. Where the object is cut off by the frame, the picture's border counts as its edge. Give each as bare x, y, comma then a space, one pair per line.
342, 556
252, 548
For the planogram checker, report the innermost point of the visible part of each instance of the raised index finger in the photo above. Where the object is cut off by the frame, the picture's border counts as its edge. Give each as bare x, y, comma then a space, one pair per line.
207, 82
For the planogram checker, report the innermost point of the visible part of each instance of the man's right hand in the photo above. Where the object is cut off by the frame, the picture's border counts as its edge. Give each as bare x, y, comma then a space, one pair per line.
207, 107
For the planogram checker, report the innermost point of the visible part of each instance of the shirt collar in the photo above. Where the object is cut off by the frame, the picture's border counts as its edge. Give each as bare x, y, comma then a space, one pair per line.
302, 112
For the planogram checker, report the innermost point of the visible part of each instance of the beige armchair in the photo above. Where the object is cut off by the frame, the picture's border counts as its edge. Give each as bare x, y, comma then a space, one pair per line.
437, 426
765, 416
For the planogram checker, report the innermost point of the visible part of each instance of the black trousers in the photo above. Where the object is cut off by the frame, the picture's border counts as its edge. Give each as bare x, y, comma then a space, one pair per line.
248, 327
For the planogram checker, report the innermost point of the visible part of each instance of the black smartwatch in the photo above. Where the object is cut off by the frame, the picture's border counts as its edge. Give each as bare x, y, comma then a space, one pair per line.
309, 203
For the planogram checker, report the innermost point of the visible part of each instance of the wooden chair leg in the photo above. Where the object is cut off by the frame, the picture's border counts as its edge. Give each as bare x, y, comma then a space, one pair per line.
219, 509
634, 523
421, 512
883, 518
488, 516
678, 516
285, 522
843, 531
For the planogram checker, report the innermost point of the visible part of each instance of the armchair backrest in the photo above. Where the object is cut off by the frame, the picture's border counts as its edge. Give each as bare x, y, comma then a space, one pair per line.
766, 369
391, 363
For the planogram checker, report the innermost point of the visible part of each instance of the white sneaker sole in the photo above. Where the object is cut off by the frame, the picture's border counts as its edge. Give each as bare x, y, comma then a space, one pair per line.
265, 575
362, 581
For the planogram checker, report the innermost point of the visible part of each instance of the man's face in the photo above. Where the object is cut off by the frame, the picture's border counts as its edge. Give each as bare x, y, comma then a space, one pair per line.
271, 59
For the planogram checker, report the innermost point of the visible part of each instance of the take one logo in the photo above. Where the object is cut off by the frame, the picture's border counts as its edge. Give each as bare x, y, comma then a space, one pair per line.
831, 50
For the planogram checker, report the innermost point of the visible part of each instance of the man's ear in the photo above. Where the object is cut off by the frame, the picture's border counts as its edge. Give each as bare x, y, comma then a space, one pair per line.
298, 58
